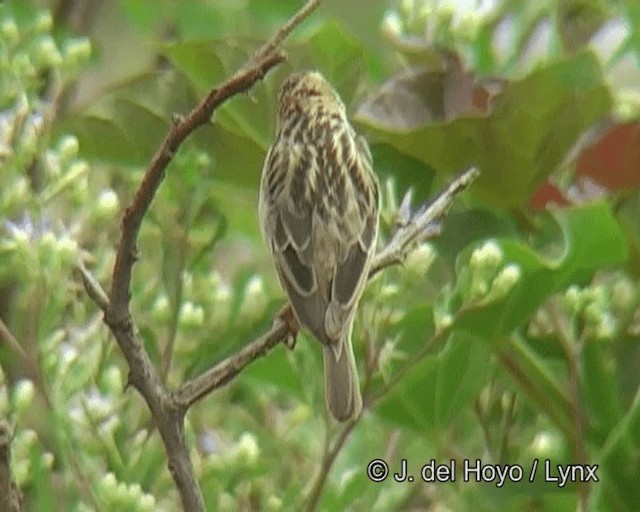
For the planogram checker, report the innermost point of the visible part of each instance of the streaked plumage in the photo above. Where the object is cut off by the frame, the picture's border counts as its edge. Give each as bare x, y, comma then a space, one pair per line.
319, 216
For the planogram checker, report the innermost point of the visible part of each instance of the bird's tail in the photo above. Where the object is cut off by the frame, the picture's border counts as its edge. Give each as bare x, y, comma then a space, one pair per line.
342, 389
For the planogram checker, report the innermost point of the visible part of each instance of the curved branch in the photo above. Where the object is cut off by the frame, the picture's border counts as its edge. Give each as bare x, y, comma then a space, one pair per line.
167, 411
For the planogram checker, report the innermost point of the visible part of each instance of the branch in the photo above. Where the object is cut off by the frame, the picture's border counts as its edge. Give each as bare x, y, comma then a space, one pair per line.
179, 131
168, 413
226, 370
424, 223
93, 288
277, 39
327, 463
30, 367
10, 496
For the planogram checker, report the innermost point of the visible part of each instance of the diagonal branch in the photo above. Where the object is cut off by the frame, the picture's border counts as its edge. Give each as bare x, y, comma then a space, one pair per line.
264, 60
179, 131
424, 223
199, 387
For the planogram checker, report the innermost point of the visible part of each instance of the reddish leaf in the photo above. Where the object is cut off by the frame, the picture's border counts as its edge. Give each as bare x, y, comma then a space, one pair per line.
614, 160
547, 194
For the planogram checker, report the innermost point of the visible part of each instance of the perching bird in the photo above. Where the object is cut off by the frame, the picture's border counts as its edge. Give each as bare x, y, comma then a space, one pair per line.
319, 204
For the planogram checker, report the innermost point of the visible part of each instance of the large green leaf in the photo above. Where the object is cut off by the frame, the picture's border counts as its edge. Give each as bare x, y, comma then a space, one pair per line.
128, 123
619, 461
439, 387
517, 143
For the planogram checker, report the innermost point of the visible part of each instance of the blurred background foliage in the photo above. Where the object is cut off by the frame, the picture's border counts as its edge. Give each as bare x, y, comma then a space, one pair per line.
513, 336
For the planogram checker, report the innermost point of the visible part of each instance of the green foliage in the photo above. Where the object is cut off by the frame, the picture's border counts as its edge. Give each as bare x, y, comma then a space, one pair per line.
511, 337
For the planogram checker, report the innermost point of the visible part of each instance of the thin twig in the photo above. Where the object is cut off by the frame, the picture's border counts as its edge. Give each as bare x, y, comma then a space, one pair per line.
14, 344
30, 366
287, 28
327, 463
572, 347
226, 370
424, 224
93, 288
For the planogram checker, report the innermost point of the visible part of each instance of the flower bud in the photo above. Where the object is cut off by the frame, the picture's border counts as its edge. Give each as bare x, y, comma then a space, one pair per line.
43, 23
77, 51
486, 257
111, 380
68, 148
254, 301
9, 32
391, 25
504, 282
191, 315
108, 204
67, 249
23, 394
419, 260
46, 53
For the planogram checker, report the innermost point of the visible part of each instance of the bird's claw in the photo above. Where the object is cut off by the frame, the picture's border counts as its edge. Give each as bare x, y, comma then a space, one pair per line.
287, 316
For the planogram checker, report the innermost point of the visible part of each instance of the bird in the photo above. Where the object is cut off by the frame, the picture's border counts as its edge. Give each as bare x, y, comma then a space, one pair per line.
319, 206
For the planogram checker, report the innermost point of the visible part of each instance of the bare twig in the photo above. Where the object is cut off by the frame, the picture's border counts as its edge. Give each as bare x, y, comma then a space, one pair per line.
424, 224
226, 370
327, 462
14, 344
287, 28
572, 347
93, 288
30, 367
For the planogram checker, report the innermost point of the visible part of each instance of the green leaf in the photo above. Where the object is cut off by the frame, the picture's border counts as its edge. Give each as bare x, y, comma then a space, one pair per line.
619, 461
532, 127
408, 172
435, 391
127, 125
278, 370
592, 239
341, 57
464, 368
199, 61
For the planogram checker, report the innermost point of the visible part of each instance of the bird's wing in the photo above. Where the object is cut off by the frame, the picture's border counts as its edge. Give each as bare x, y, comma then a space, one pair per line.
288, 215
351, 272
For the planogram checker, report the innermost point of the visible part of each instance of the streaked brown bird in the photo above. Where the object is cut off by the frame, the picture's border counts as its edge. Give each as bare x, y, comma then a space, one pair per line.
319, 204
